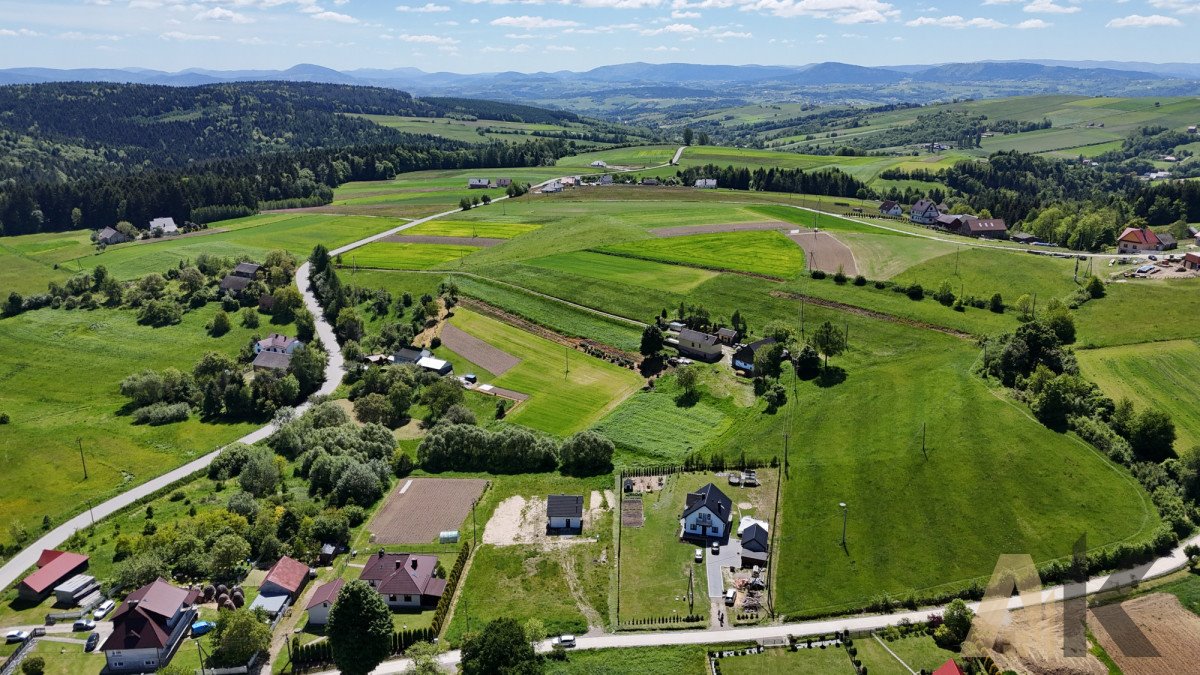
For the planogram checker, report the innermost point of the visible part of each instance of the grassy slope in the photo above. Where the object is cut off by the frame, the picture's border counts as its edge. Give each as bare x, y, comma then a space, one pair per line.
560, 403
1141, 312
983, 272
60, 372
625, 270
1162, 375
758, 252
910, 526
389, 255
472, 228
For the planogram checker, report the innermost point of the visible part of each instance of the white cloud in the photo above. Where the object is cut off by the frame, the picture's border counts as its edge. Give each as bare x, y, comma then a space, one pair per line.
533, 22
88, 37
1139, 21
426, 39
675, 28
955, 21
729, 35
1049, 7
841, 11
427, 8
334, 16
1032, 24
515, 49
222, 14
20, 32
144, 4
1177, 6
559, 48
662, 48
188, 37
680, 14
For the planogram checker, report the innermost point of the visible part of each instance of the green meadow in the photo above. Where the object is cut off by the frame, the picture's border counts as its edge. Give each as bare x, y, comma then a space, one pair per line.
388, 255
764, 252
459, 228
1161, 375
61, 372
569, 390
625, 270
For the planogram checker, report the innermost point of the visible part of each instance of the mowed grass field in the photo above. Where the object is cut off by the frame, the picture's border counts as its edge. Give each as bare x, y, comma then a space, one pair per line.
764, 252
569, 390
982, 272
59, 380
625, 270
1161, 375
995, 480
828, 661
387, 255
633, 157
444, 227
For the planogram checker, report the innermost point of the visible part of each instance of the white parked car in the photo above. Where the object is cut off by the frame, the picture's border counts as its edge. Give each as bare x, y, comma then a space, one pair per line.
16, 636
566, 641
103, 610
699, 557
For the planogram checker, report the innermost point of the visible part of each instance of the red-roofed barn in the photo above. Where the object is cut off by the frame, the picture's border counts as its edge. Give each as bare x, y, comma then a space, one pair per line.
286, 577
949, 668
54, 567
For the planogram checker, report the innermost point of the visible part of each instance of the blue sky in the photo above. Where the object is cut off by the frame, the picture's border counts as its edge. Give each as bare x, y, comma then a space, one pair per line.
532, 35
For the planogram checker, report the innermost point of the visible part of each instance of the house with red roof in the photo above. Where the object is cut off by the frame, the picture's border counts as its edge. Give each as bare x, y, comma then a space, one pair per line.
322, 601
949, 668
286, 577
148, 628
1139, 239
54, 567
405, 580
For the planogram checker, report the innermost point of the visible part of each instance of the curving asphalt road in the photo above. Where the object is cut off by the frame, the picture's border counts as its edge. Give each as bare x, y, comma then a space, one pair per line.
334, 371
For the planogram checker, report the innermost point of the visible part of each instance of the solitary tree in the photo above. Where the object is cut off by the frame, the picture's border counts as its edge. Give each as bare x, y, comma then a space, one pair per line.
652, 341
1095, 287
688, 136
1025, 307
220, 325
239, 635
359, 629
828, 340
502, 647
688, 379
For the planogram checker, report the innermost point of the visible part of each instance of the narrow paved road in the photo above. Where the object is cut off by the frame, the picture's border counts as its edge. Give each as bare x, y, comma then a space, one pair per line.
678, 154
1163, 566
334, 371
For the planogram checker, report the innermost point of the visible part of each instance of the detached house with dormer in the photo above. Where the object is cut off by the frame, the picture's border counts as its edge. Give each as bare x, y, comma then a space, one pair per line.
707, 514
405, 580
1140, 239
924, 212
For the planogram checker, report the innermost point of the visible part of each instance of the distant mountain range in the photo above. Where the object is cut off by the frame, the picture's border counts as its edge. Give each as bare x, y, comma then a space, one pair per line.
828, 81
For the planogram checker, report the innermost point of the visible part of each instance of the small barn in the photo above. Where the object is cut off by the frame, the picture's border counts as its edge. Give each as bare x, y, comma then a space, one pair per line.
54, 567
564, 513
435, 365
743, 358
322, 601
728, 336
477, 183
272, 361
109, 236
286, 577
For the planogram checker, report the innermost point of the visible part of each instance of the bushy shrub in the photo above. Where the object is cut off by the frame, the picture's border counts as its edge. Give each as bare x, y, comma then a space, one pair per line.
817, 274
860, 280
162, 413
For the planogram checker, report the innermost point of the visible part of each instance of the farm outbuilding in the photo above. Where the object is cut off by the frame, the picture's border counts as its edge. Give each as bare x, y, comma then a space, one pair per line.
743, 358
286, 577
54, 567
71, 591
477, 183
564, 512
322, 601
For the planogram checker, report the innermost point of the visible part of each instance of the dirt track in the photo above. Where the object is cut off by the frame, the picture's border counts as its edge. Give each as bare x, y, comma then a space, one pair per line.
482, 242
685, 230
420, 508
471, 348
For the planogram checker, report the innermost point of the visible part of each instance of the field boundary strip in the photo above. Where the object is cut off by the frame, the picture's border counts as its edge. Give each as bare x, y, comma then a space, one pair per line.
872, 314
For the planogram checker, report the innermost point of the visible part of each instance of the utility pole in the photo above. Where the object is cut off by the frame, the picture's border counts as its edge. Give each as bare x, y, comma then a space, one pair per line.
79, 442
566, 361
956, 252
844, 516
474, 526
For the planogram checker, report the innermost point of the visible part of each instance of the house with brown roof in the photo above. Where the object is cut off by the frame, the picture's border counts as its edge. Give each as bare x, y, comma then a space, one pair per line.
405, 580
924, 212
148, 628
891, 208
985, 228
272, 361
54, 567
109, 236
276, 342
1138, 240
322, 601
234, 284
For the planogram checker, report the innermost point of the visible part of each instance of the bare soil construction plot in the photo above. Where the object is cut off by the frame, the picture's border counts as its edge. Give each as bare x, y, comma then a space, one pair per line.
1032, 642
632, 514
825, 252
420, 508
482, 242
685, 230
518, 520
1171, 630
471, 348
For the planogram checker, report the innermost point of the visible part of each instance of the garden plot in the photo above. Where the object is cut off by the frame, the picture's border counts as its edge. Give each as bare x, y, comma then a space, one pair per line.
420, 508
1172, 631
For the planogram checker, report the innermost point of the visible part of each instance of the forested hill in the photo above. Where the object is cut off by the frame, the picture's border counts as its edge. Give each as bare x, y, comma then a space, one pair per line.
74, 130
